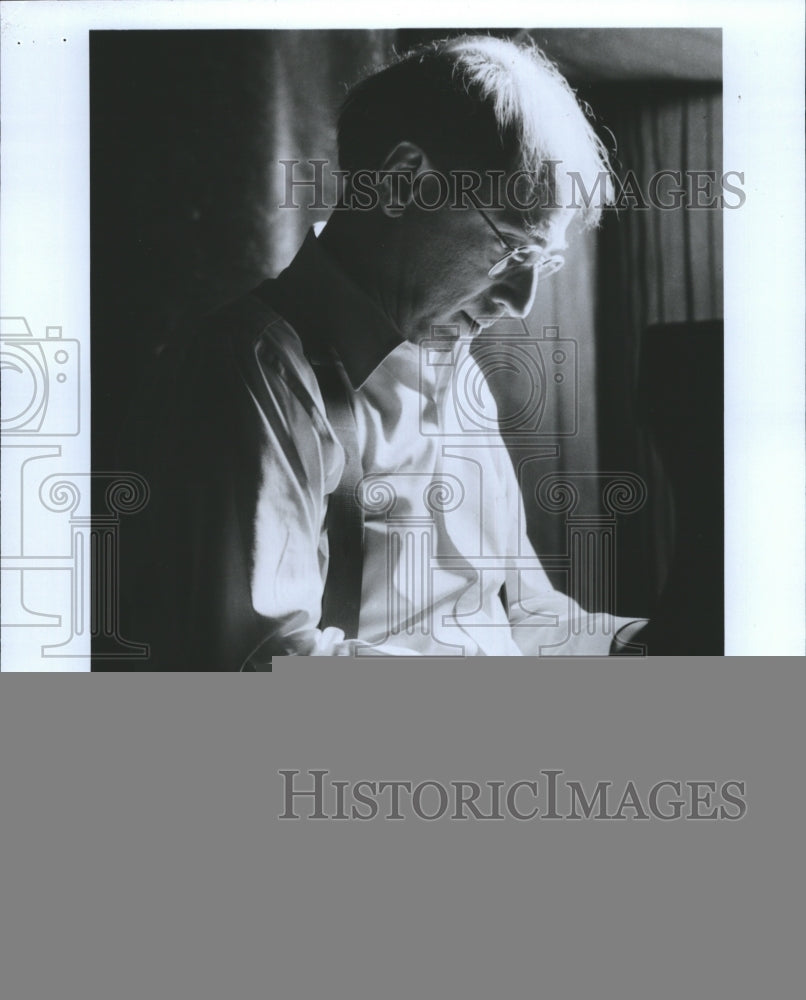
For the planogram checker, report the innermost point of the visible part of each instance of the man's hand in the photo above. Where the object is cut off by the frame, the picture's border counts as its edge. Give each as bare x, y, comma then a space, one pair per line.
627, 641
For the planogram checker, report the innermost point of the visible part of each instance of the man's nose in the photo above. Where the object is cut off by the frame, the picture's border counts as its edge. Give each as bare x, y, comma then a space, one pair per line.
515, 290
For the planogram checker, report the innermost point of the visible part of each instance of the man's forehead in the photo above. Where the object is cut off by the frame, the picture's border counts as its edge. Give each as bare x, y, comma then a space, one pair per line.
552, 228
548, 226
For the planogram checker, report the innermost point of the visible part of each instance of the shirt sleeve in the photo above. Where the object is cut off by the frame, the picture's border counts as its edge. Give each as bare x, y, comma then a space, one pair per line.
300, 464
240, 460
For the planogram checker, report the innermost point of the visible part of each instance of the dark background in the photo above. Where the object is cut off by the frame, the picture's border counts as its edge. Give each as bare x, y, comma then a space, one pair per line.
187, 128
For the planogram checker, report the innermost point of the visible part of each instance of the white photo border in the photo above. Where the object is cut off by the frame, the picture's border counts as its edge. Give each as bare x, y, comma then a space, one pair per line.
44, 280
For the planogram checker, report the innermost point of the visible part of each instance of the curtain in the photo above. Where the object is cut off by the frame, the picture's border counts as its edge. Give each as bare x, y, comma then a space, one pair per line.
187, 129
656, 267
310, 74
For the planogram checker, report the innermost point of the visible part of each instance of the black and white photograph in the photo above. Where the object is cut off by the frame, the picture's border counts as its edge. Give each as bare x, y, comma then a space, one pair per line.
413, 341
400, 341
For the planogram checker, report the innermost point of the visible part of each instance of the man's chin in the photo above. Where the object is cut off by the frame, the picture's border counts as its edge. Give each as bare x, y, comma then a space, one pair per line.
461, 325
476, 325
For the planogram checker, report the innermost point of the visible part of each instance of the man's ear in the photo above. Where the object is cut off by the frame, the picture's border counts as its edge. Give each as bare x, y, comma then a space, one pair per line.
396, 177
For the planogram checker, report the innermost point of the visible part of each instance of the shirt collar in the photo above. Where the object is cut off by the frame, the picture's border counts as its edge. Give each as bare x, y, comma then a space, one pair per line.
327, 309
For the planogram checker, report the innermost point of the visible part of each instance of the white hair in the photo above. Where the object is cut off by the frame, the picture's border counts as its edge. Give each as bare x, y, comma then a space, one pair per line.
529, 95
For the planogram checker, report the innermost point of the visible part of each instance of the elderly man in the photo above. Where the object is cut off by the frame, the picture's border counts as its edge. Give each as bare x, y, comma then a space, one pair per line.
313, 491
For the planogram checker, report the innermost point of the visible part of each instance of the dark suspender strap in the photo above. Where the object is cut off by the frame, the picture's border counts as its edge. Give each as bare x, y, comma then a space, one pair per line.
502, 593
341, 601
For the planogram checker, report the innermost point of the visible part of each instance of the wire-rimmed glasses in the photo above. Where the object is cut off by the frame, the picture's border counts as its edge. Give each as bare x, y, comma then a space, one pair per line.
529, 255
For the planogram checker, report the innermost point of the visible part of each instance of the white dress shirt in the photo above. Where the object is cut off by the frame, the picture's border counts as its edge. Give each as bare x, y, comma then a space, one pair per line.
226, 566
444, 525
